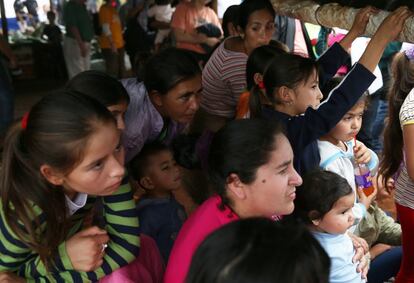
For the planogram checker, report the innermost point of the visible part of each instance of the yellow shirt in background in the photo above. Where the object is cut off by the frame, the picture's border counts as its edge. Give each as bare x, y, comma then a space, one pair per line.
111, 26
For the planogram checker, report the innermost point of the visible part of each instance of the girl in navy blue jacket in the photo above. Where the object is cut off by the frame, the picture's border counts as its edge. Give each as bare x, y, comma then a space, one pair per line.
292, 85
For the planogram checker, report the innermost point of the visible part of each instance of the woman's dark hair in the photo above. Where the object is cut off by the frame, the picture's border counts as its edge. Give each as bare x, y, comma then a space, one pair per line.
240, 147
403, 83
100, 86
288, 70
231, 15
190, 152
318, 194
248, 7
166, 69
262, 251
257, 62
58, 129
185, 153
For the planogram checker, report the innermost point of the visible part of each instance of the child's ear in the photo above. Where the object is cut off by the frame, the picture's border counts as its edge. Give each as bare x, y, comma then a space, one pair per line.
314, 216
146, 183
156, 98
51, 175
235, 186
258, 78
232, 28
240, 31
284, 95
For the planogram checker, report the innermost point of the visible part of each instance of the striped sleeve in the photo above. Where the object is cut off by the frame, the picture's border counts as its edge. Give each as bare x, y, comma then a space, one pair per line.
123, 247
407, 110
224, 80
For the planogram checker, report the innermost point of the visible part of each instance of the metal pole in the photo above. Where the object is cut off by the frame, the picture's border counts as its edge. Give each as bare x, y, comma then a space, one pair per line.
4, 21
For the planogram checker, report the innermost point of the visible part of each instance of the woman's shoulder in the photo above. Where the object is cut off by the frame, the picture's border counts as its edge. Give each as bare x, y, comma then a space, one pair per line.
234, 45
183, 5
207, 217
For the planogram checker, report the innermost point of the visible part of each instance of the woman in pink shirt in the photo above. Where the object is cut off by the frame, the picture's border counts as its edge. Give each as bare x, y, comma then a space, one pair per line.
187, 17
251, 170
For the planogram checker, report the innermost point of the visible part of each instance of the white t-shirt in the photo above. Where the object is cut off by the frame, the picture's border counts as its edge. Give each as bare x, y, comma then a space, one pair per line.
162, 13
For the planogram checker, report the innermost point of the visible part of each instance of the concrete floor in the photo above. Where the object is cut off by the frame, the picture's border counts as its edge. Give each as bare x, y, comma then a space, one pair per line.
28, 92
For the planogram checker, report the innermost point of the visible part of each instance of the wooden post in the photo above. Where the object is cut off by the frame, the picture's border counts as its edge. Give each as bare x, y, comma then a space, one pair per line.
335, 15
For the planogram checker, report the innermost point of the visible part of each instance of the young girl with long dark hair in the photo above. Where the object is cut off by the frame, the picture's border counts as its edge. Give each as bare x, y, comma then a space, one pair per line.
399, 154
66, 152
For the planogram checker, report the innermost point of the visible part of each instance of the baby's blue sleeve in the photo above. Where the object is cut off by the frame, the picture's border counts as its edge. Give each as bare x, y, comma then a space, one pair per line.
373, 163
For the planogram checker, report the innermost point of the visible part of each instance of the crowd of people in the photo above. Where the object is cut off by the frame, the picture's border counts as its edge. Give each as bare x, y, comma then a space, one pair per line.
233, 156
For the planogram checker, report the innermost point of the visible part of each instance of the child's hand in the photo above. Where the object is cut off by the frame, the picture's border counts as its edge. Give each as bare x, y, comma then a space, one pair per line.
366, 200
358, 27
392, 25
361, 20
362, 154
361, 254
10, 277
86, 249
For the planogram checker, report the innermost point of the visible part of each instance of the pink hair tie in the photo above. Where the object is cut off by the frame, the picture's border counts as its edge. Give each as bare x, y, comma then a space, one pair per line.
25, 118
261, 85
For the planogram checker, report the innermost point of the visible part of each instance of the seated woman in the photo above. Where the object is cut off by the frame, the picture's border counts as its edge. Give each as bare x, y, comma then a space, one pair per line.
224, 76
164, 104
252, 174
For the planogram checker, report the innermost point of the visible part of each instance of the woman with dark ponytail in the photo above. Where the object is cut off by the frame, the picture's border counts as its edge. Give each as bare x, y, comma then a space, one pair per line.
399, 153
250, 101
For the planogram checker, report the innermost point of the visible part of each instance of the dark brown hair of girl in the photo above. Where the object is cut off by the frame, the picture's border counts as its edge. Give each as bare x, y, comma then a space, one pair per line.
58, 129
403, 82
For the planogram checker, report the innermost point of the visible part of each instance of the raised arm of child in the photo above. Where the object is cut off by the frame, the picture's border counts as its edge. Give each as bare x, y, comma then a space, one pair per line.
358, 27
342, 98
337, 54
389, 29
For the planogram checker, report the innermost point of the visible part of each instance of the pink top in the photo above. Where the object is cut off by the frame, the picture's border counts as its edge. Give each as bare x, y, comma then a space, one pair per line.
206, 219
299, 43
187, 18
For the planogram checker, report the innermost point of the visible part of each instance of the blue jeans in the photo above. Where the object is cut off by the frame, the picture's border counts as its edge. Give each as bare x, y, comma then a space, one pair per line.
378, 126
6, 100
385, 266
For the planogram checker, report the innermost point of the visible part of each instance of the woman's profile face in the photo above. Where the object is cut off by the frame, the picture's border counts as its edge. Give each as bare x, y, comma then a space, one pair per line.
182, 101
259, 29
273, 191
